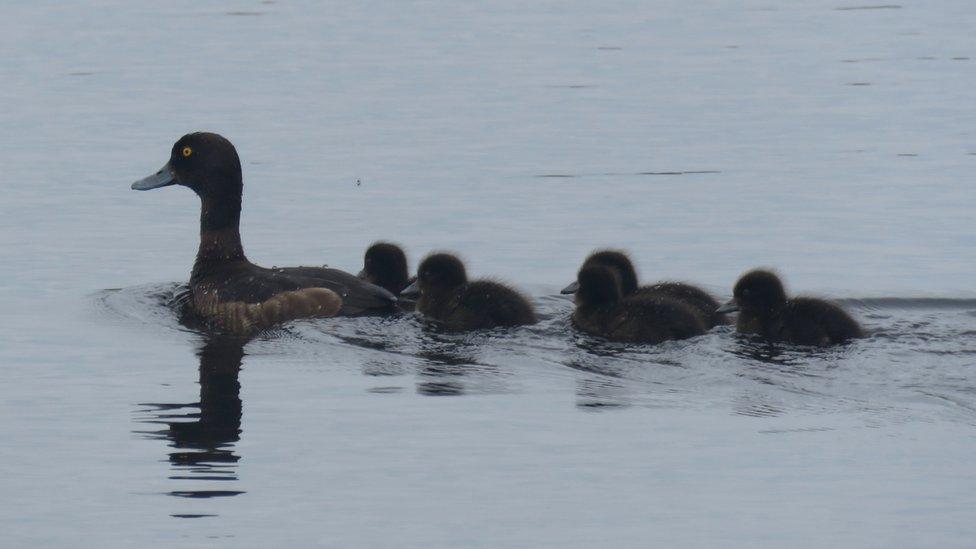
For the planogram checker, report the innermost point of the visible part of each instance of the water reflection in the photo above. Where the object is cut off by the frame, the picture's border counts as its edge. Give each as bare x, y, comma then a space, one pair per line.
455, 364
753, 347
600, 393
446, 359
203, 433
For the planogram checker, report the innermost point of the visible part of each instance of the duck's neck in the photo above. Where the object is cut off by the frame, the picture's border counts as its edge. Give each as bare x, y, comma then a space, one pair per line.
437, 304
594, 308
771, 321
220, 235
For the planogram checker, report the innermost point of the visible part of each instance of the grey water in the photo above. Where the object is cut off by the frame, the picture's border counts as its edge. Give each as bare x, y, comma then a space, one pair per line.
833, 140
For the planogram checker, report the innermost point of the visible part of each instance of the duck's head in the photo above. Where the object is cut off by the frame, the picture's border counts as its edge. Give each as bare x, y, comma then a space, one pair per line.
385, 265
616, 260
438, 273
205, 162
757, 292
597, 286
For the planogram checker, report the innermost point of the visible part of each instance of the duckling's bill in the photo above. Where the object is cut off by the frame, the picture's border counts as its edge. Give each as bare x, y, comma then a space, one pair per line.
163, 178
729, 306
571, 289
412, 290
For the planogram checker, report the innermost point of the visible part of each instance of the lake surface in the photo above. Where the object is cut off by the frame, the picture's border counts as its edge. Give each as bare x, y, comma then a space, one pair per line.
834, 141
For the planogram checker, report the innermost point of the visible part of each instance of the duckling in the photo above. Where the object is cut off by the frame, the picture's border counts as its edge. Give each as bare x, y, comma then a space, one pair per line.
228, 291
385, 265
699, 300
765, 309
603, 310
446, 296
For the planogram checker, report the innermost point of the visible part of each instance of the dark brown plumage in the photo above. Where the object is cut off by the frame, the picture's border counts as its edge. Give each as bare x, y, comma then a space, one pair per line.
603, 310
446, 296
230, 292
385, 265
699, 300
765, 309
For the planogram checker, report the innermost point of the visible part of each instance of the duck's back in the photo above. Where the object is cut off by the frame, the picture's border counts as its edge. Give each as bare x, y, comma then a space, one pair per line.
243, 300
810, 321
240, 296
487, 304
653, 319
358, 296
699, 300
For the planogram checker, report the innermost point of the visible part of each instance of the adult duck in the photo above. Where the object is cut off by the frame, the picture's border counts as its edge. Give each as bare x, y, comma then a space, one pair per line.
228, 291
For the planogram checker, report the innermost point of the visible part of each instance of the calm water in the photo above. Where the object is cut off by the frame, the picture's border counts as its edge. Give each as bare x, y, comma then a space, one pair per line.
832, 140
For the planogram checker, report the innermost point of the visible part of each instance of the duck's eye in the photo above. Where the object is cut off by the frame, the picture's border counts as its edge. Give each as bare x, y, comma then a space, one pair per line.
187, 151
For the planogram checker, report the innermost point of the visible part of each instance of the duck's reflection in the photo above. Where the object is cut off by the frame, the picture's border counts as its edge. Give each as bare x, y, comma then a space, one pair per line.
600, 393
463, 363
447, 359
203, 433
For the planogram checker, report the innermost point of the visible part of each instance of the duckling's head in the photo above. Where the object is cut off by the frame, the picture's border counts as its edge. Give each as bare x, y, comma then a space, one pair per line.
616, 260
385, 265
757, 292
599, 286
438, 273
205, 162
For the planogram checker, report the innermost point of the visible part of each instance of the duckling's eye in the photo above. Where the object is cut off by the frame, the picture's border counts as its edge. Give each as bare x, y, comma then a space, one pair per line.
187, 151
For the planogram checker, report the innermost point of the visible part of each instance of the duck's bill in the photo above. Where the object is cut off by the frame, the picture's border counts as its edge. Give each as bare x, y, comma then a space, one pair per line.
730, 306
571, 289
163, 178
412, 290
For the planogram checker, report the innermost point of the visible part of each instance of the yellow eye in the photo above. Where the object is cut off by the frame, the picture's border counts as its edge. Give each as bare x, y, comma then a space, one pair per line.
187, 151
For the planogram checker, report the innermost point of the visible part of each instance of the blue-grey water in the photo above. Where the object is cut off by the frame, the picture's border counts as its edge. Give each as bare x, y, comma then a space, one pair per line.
834, 140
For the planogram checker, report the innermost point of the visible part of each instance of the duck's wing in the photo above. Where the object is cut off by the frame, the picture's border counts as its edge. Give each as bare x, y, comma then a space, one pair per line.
358, 296
250, 284
498, 302
819, 322
699, 299
248, 298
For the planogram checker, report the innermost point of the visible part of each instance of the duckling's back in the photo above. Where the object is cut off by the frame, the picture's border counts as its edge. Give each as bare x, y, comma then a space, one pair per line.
699, 300
487, 304
810, 321
653, 319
